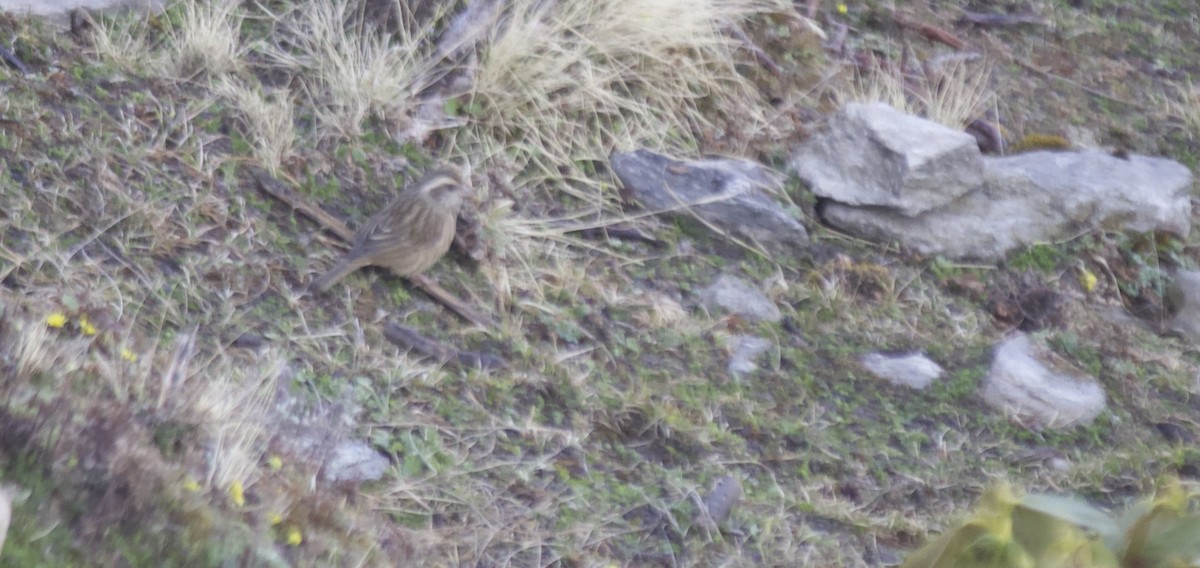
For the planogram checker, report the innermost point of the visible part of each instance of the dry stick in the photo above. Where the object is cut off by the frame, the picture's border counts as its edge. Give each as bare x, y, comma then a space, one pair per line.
1089, 90
930, 31
408, 338
282, 192
1000, 20
759, 55
456, 305
1027, 64
13, 60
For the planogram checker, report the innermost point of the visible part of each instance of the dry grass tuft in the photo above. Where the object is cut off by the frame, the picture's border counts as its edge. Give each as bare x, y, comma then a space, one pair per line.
125, 42
561, 89
1185, 105
952, 91
350, 71
233, 409
268, 120
207, 40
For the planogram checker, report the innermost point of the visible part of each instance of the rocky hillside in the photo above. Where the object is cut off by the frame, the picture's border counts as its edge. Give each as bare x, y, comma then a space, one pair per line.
662, 337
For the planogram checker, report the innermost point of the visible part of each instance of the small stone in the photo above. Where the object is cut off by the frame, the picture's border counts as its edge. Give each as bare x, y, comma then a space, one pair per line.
724, 497
746, 349
353, 461
915, 370
736, 296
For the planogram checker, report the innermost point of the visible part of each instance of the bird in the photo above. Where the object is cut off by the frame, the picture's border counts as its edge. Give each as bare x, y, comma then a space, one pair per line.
408, 235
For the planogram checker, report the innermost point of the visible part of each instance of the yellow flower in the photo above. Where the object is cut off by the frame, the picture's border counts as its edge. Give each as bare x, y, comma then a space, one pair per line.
191, 484
86, 326
275, 463
294, 538
128, 355
56, 320
237, 493
842, 9
1087, 280
274, 519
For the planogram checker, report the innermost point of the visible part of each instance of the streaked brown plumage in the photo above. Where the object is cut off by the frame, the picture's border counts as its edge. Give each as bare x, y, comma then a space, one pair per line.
410, 233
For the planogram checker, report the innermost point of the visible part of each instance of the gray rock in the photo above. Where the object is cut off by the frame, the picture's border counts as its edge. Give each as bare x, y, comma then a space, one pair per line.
322, 436
1036, 197
727, 193
58, 11
1036, 388
1182, 303
874, 155
726, 494
736, 296
915, 370
353, 461
746, 349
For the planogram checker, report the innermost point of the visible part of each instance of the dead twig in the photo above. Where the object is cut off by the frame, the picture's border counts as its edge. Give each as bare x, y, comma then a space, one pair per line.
759, 55
628, 234
454, 304
281, 191
409, 339
999, 20
929, 31
1026, 64
13, 60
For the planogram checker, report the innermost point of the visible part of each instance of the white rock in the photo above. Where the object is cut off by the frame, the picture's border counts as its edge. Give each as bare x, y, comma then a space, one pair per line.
1035, 387
746, 350
915, 370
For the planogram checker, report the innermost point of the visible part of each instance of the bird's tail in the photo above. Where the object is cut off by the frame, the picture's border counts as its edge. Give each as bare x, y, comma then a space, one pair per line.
335, 274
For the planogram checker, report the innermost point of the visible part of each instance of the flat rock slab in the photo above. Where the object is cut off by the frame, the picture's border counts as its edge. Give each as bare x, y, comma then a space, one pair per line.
729, 194
1035, 198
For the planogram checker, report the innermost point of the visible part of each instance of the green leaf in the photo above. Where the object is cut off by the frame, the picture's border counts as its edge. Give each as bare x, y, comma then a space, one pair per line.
1178, 543
1073, 511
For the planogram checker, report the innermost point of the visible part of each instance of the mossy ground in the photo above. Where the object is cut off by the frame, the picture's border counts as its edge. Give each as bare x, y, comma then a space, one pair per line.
123, 203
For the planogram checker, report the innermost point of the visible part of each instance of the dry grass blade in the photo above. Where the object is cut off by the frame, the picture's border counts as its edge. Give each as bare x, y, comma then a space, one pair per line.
956, 90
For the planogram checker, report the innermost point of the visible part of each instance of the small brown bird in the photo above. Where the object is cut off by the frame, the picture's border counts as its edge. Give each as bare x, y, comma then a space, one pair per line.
408, 235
